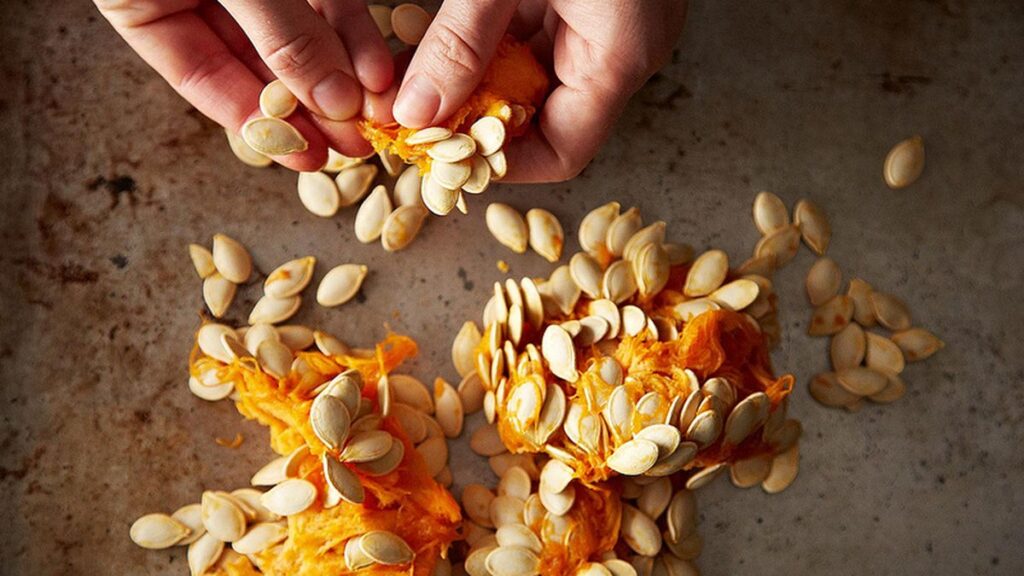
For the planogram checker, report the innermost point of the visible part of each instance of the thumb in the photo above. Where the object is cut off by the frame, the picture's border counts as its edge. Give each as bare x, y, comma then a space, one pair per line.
451, 59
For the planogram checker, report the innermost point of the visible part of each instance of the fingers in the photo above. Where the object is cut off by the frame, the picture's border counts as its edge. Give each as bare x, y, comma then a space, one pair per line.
183, 49
451, 59
303, 51
370, 55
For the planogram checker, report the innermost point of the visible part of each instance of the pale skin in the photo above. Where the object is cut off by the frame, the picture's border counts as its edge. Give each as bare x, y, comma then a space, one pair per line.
329, 53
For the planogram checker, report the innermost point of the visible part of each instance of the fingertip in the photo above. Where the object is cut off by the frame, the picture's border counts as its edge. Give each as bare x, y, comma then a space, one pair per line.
376, 73
377, 107
417, 103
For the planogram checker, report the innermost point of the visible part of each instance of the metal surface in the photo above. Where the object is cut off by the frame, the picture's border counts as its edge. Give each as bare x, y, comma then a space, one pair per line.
108, 175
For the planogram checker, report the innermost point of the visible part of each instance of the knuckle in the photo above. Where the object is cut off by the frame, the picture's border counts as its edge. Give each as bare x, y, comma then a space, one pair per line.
453, 56
206, 72
293, 56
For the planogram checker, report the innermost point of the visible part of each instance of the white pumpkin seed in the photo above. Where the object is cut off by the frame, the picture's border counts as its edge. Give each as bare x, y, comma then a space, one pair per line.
410, 22
336, 161
385, 465
557, 349
862, 381
330, 346
513, 561
890, 311
486, 441
331, 420
559, 503
823, 281
471, 392
545, 234
463, 347
340, 284
633, 320
290, 278
295, 337
780, 246
489, 134
707, 273
498, 164
664, 436
518, 535
705, 428
451, 174
705, 476
674, 462
476, 501
690, 309
353, 183
651, 269
273, 137
367, 446
770, 213
249, 498
372, 215
610, 312
681, 516
210, 341
435, 453
848, 347
202, 260
826, 389
736, 295
515, 482
831, 317
917, 343
437, 198
639, 531
386, 548
814, 226
218, 292
453, 149
355, 558
402, 226
428, 135
904, 163
654, 497
587, 273
592, 330
759, 265
289, 497
618, 284
260, 537
340, 478
245, 153
749, 414
318, 193
158, 531
271, 474
479, 176
277, 101
618, 567
621, 230
507, 226
203, 553
407, 188
450, 413
270, 310
883, 354
633, 457
392, 163
892, 392
594, 227
231, 259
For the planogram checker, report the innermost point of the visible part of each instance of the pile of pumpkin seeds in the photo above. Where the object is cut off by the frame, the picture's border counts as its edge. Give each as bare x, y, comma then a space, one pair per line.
865, 364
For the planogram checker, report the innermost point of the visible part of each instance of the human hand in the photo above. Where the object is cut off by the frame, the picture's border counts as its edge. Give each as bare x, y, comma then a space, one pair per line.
219, 56
601, 54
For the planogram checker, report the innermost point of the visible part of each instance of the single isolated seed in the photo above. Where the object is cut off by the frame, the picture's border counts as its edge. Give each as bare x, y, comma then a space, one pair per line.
218, 292
290, 278
202, 260
917, 343
158, 531
904, 163
277, 101
545, 234
507, 226
890, 311
273, 137
823, 281
353, 183
231, 259
372, 215
402, 226
340, 284
770, 213
318, 193
814, 226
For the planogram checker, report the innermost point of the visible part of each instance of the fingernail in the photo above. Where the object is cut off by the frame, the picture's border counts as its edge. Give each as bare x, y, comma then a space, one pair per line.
418, 102
338, 96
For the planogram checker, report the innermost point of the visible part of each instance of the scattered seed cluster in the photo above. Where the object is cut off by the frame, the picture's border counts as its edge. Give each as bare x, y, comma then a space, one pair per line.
540, 230
865, 364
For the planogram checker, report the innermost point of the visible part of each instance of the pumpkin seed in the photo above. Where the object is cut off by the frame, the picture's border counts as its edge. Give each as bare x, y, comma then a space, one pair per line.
749, 415
385, 465
231, 259
552, 413
621, 230
587, 273
498, 164
862, 381
555, 476
736, 295
336, 161
463, 347
814, 226
506, 510
545, 234
435, 454
917, 343
451, 174
664, 436
559, 503
355, 558
618, 567
392, 163
681, 516
295, 337
249, 500
353, 183
289, 497
410, 22
759, 265
271, 310
557, 349
372, 215
678, 254
407, 188
705, 476
721, 389
515, 482
402, 226
489, 134
594, 227
386, 548
367, 446
290, 278
883, 354
479, 176
639, 531
329, 345
260, 537
607, 310
518, 535
340, 284
203, 553
618, 283
690, 309
674, 462
831, 317
823, 281
245, 153
650, 234
277, 101
210, 341
592, 330
476, 561
273, 137
449, 408
202, 260
784, 470
825, 388
453, 149
384, 396
275, 358
271, 474
412, 392
780, 246
471, 393
770, 213
654, 497
848, 347
507, 226
381, 15
437, 198
513, 561
476, 501
890, 311
707, 273
562, 289
218, 292
651, 268
331, 420
904, 163
343, 480
633, 320
705, 428
633, 457
428, 135
158, 531
533, 305
893, 391
486, 441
